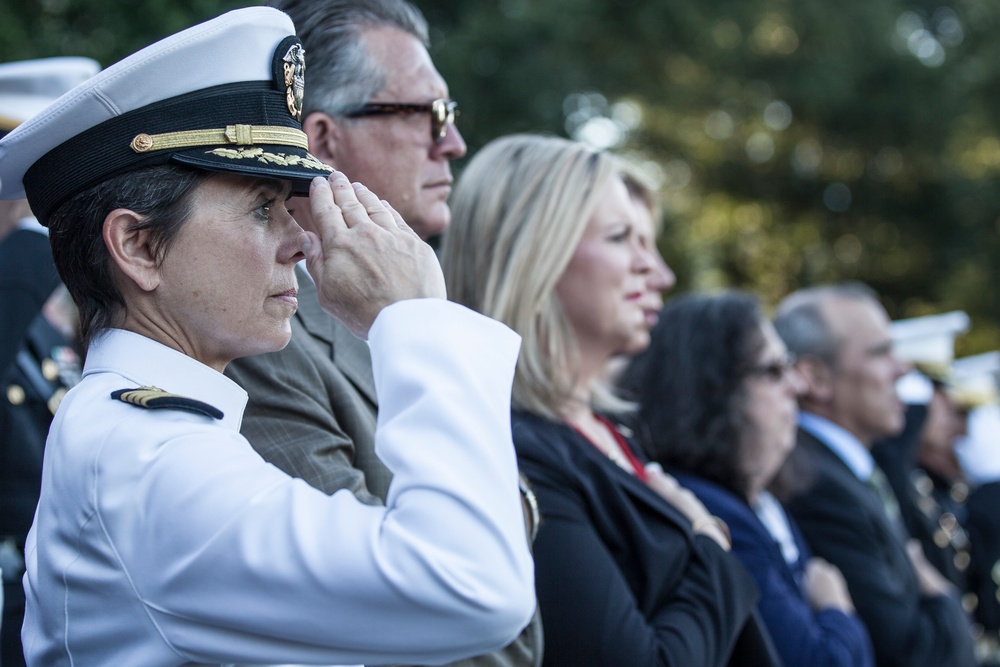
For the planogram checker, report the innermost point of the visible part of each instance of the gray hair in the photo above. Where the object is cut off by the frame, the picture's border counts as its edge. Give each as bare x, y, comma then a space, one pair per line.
340, 73
800, 322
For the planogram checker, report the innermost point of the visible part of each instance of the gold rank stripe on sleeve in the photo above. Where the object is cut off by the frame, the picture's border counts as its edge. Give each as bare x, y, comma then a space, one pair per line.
154, 398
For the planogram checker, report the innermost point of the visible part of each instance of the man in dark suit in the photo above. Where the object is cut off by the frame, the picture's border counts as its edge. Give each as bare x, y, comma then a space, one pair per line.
848, 513
375, 108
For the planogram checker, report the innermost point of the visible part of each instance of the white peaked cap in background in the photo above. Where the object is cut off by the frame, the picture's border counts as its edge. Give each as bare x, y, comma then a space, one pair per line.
979, 450
975, 380
928, 341
28, 86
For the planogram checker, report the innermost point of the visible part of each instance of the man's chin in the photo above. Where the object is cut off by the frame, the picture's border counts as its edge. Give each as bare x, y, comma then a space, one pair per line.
895, 428
430, 226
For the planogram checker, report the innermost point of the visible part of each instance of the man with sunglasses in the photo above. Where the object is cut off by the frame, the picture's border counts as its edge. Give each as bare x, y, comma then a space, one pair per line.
377, 109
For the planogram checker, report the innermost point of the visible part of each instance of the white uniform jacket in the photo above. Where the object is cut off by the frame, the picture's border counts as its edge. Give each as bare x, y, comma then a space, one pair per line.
162, 538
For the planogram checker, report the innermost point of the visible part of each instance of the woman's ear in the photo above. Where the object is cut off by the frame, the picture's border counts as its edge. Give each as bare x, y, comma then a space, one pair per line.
130, 249
323, 132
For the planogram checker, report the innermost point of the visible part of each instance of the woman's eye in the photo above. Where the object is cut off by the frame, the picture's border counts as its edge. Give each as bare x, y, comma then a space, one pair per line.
264, 210
621, 235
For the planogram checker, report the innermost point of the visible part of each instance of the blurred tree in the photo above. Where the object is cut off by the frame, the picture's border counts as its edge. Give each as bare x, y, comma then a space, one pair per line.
795, 142
106, 30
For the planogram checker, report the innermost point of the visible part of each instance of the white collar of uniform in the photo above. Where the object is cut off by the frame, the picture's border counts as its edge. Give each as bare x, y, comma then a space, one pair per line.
146, 362
772, 515
31, 224
305, 270
842, 442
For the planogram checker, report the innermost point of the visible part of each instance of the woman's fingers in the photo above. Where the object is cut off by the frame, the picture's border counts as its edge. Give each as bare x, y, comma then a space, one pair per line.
360, 205
337, 203
366, 257
326, 214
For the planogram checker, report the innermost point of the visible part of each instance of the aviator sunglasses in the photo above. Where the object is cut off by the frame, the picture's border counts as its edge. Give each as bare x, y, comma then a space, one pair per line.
443, 112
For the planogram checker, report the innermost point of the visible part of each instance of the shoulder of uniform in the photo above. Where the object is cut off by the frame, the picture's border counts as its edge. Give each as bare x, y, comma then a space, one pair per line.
154, 398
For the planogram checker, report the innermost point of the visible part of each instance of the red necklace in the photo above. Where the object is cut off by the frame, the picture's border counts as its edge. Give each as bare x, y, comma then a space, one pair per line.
637, 468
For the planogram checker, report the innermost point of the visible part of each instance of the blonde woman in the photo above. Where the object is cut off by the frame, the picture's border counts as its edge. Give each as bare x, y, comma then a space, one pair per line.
630, 569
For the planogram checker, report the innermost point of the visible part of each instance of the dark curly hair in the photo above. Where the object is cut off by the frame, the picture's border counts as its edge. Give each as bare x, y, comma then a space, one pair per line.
689, 385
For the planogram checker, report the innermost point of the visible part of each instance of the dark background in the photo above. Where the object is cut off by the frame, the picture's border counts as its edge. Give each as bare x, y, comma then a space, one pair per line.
796, 141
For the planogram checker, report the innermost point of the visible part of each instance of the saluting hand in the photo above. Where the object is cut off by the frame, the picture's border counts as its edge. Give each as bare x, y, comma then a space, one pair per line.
366, 257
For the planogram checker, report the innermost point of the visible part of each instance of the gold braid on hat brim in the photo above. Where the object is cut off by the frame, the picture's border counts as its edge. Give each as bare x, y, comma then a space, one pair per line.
239, 135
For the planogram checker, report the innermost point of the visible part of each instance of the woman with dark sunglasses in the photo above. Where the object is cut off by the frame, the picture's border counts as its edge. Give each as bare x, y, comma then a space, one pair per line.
717, 398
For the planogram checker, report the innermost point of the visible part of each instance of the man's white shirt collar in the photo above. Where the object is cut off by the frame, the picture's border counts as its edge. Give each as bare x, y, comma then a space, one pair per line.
772, 515
32, 225
305, 269
841, 441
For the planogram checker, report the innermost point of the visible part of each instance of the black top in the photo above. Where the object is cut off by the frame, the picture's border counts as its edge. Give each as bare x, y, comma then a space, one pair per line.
844, 522
27, 279
621, 579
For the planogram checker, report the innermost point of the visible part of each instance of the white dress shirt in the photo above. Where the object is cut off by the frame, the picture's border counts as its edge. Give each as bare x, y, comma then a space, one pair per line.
775, 520
841, 442
162, 538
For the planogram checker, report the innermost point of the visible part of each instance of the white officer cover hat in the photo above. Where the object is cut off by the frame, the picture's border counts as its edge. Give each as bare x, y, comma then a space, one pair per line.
928, 342
979, 450
224, 95
28, 86
975, 380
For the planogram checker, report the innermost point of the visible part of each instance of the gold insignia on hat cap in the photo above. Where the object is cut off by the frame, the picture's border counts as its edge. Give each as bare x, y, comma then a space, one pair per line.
294, 69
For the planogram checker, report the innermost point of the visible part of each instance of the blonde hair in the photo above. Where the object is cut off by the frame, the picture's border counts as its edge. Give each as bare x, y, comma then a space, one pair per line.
519, 211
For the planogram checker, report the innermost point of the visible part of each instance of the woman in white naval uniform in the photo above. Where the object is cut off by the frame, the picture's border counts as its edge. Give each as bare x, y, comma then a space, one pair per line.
161, 537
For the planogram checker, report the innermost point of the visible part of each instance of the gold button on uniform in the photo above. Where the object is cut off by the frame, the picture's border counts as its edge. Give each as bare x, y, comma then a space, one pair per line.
56, 399
50, 370
15, 394
941, 539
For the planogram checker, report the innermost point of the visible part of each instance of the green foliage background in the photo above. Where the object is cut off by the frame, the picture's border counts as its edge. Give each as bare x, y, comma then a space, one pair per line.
796, 141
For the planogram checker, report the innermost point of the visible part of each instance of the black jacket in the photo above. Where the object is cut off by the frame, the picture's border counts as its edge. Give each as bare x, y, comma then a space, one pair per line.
620, 577
844, 522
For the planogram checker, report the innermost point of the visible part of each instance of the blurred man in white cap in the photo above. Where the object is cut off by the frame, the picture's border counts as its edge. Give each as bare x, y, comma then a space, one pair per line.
841, 338
954, 520
161, 538
975, 381
920, 462
39, 359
